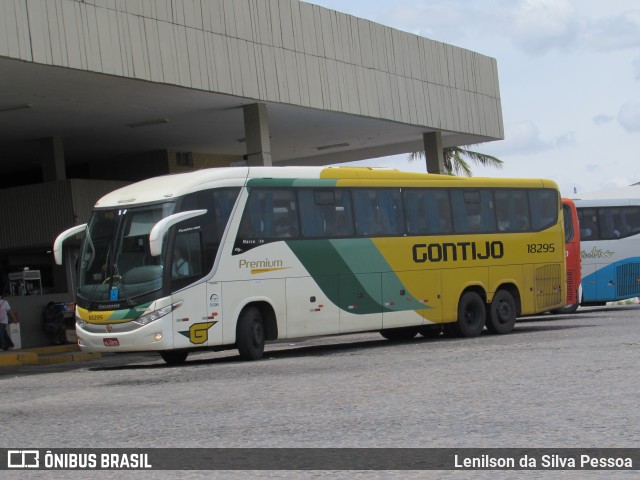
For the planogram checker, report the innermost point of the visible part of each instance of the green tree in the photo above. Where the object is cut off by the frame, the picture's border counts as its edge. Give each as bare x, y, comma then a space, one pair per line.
455, 160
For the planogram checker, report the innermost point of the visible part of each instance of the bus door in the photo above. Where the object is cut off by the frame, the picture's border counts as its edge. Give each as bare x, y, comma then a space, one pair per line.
194, 321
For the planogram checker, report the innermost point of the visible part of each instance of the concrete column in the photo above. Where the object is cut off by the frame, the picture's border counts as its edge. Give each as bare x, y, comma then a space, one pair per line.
433, 152
256, 130
52, 158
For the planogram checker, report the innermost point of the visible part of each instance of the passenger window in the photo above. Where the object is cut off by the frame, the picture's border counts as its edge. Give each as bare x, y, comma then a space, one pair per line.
512, 210
378, 211
473, 211
428, 211
618, 222
270, 214
630, 221
325, 213
588, 220
544, 205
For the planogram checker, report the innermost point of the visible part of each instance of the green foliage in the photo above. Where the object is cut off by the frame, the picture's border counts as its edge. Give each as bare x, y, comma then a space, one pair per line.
455, 160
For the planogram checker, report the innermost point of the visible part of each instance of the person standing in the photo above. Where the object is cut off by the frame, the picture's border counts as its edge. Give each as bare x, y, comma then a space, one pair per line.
5, 313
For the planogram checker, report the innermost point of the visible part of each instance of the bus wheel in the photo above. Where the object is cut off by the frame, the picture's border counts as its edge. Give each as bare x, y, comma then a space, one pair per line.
566, 309
174, 357
502, 313
430, 331
250, 334
399, 334
471, 315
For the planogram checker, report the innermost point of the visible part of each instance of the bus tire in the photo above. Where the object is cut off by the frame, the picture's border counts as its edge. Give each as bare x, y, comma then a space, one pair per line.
472, 314
250, 334
399, 334
566, 309
502, 313
570, 308
174, 357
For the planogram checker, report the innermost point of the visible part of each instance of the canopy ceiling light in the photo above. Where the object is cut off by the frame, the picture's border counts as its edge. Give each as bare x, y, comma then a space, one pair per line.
8, 108
328, 147
148, 123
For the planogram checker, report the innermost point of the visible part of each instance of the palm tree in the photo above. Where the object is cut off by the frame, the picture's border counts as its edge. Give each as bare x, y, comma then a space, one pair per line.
455, 163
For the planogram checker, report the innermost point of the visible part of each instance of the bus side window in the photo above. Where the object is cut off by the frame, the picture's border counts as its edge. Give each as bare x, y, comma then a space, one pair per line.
341, 216
588, 224
428, 211
544, 205
631, 220
270, 214
378, 211
512, 210
187, 255
473, 211
325, 213
414, 206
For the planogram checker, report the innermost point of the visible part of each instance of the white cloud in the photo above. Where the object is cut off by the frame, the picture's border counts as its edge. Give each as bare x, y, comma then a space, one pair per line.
544, 25
603, 119
446, 21
541, 26
613, 33
636, 67
629, 117
592, 167
524, 138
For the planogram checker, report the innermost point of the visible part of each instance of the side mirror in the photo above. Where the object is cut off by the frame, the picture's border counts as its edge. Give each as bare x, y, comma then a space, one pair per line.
57, 245
158, 231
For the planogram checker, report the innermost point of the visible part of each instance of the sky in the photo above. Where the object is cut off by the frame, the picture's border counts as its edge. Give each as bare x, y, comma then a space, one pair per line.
569, 74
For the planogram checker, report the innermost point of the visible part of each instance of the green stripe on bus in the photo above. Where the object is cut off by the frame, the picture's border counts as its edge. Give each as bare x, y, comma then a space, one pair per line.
351, 273
362, 255
130, 314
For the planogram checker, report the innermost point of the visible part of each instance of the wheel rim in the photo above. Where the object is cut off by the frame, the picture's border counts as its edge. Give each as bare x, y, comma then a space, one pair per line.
258, 334
471, 316
503, 312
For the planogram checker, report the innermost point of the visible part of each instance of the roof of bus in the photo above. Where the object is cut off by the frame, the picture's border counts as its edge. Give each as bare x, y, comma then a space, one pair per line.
175, 185
613, 195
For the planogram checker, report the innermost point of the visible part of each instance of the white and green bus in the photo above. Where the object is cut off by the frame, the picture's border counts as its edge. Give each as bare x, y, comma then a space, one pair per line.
234, 257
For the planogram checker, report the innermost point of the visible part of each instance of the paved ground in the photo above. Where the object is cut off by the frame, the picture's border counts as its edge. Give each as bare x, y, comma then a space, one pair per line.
556, 381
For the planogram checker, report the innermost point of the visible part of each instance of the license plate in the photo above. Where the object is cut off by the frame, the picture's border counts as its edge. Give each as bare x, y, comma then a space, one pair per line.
111, 342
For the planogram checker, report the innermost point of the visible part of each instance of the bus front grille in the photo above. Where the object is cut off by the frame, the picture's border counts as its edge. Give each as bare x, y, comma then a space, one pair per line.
628, 280
549, 290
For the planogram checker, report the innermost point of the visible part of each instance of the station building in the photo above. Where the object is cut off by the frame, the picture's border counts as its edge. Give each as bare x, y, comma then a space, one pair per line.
95, 94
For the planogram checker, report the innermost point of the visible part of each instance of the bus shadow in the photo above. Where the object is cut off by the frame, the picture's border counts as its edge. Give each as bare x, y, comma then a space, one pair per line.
539, 324
285, 352
581, 314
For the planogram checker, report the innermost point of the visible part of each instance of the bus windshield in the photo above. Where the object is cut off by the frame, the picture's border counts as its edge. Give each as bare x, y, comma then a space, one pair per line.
115, 264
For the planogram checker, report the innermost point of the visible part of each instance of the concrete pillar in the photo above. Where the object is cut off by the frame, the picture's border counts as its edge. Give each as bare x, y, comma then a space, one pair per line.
256, 130
52, 158
433, 152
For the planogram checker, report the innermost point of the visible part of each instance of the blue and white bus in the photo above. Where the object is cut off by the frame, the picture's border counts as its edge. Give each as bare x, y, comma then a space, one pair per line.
610, 245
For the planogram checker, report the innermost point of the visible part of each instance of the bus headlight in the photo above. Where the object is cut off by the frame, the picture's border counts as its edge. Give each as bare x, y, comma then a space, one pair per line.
156, 314
80, 322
